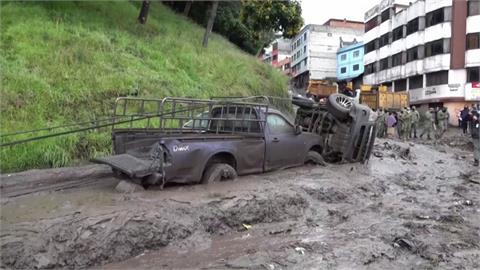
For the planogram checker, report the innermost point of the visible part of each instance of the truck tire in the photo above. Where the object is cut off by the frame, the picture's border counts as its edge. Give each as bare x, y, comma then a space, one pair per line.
314, 158
218, 172
339, 105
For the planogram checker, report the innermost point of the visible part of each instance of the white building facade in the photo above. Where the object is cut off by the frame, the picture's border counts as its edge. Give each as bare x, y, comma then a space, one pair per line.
314, 52
429, 48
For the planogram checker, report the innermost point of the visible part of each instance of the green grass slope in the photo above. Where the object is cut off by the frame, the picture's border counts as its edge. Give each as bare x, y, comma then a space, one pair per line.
63, 62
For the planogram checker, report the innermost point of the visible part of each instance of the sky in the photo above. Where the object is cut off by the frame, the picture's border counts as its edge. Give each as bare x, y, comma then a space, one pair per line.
319, 11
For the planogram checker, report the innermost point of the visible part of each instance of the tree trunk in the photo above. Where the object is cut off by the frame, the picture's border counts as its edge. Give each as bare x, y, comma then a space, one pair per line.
142, 17
211, 20
186, 10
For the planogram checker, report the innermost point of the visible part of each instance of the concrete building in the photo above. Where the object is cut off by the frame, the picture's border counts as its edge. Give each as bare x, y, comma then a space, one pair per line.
429, 48
350, 61
314, 50
277, 54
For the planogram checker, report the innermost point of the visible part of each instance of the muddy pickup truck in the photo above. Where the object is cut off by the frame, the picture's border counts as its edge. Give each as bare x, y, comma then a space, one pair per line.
202, 141
186, 140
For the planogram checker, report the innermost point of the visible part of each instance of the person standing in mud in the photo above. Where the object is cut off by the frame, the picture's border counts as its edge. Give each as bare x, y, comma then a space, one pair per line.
428, 124
475, 131
447, 117
415, 120
407, 124
441, 123
381, 123
465, 115
391, 121
401, 124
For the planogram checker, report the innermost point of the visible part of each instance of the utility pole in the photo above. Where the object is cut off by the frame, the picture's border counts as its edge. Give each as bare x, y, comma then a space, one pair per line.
211, 20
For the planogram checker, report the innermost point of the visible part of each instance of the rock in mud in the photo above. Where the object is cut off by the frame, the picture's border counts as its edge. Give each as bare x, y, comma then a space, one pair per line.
128, 187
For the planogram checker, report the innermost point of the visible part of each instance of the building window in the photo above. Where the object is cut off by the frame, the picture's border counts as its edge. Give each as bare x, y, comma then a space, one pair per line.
435, 17
415, 53
473, 40
384, 63
343, 70
385, 15
343, 57
473, 7
372, 23
370, 46
473, 74
305, 36
384, 40
356, 67
305, 62
437, 78
397, 33
397, 59
356, 54
305, 49
400, 85
415, 82
412, 26
369, 69
439, 46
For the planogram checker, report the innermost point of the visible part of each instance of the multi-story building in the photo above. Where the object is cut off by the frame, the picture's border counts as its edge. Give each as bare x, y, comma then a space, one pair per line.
429, 48
314, 49
350, 61
277, 54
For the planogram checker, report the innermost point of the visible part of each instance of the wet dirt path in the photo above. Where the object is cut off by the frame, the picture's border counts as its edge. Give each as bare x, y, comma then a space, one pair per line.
413, 206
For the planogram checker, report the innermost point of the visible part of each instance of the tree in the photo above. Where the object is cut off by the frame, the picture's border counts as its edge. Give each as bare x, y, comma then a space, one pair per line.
188, 6
266, 18
142, 17
211, 20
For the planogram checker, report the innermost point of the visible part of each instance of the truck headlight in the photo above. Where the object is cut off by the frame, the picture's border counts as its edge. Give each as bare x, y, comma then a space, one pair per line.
372, 117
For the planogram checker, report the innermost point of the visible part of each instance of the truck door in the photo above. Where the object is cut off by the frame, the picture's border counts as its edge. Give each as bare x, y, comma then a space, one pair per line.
283, 147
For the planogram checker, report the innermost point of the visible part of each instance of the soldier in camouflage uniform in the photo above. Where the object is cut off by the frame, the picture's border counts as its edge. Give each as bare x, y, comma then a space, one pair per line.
441, 116
400, 124
381, 126
415, 119
428, 124
407, 127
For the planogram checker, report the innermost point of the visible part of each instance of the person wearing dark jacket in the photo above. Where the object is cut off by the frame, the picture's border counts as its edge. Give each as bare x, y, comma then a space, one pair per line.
465, 116
475, 131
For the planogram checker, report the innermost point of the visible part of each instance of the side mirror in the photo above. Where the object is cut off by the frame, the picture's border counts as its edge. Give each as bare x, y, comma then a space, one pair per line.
298, 130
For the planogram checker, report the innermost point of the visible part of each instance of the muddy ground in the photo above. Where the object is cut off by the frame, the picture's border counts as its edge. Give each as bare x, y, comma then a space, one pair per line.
413, 206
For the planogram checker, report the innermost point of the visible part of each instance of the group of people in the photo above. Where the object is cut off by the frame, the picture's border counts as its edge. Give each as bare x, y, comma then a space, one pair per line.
405, 124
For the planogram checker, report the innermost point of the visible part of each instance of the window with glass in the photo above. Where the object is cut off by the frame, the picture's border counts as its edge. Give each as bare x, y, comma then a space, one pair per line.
384, 40
437, 78
305, 36
277, 124
397, 59
369, 69
397, 33
412, 26
439, 46
415, 82
305, 49
400, 85
435, 17
356, 67
370, 46
343, 57
385, 15
343, 70
473, 7
372, 23
473, 41
384, 63
356, 54
473, 74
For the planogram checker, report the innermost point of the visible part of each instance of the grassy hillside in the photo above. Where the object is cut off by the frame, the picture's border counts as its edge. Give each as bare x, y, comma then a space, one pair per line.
63, 62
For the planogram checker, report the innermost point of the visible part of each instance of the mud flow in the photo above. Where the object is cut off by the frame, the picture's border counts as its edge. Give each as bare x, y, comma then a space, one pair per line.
413, 206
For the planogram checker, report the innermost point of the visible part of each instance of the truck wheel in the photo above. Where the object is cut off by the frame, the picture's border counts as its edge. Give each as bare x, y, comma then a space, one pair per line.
314, 158
339, 105
219, 172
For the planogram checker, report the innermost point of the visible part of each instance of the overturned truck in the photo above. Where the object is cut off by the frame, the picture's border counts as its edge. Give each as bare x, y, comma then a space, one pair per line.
187, 140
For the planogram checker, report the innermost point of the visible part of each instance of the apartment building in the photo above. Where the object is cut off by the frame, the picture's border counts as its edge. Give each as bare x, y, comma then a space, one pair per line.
314, 49
429, 48
350, 61
278, 55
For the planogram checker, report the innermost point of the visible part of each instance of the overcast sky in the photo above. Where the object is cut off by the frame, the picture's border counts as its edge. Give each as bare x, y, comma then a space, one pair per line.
319, 11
